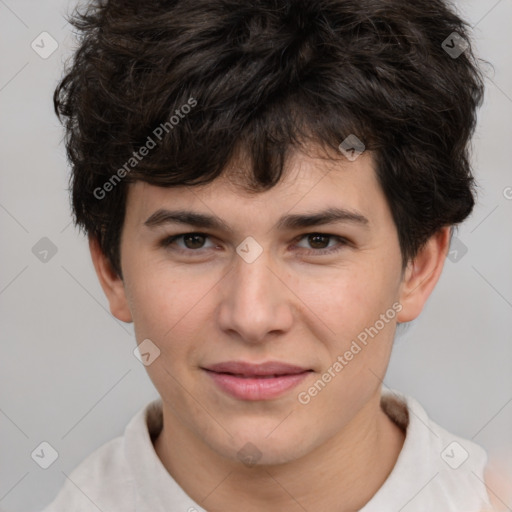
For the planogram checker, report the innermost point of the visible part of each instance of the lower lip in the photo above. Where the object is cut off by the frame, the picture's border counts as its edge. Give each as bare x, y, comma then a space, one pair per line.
256, 388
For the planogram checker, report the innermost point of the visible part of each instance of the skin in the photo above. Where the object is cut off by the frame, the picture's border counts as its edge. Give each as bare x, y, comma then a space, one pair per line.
292, 305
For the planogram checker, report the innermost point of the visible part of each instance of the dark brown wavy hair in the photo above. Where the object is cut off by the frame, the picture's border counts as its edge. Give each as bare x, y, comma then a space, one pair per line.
268, 76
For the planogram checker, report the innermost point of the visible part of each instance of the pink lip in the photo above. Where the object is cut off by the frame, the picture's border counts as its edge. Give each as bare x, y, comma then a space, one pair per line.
256, 381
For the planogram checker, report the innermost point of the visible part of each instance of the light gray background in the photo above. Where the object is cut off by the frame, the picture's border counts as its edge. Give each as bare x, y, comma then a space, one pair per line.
67, 372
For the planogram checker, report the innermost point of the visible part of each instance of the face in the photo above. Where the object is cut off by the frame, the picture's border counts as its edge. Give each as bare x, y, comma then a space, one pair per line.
263, 284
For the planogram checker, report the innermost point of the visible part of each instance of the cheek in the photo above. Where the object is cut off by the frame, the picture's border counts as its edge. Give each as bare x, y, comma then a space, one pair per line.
346, 300
168, 304
356, 340
166, 311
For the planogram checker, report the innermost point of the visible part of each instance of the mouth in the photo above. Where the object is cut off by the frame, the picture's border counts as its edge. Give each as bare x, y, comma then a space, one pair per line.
262, 381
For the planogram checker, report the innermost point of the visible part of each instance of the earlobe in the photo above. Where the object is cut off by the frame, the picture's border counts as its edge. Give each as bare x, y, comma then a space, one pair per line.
422, 274
112, 284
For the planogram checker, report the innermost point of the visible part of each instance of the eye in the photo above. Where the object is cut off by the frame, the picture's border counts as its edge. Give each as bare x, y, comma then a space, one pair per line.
192, 242
320, 243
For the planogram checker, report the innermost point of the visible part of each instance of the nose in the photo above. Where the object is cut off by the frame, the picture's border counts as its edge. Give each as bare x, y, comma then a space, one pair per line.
256, 303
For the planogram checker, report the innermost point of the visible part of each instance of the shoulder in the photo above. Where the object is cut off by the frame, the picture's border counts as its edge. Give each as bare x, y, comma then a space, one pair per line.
95, 481
448, 469
104, 479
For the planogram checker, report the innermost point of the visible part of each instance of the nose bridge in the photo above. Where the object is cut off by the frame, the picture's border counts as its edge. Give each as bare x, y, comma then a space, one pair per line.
252, 280
256, 300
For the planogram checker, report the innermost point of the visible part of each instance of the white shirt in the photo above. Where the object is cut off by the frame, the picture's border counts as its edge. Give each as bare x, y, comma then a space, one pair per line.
435, 471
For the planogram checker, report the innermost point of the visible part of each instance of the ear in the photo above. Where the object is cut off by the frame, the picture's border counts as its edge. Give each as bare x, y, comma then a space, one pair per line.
112, 284
422, 274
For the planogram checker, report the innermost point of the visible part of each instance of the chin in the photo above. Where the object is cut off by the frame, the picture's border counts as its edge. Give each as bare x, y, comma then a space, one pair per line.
261, 447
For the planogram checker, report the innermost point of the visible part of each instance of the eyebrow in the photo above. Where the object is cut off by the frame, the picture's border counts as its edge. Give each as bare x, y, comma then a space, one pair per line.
292, 221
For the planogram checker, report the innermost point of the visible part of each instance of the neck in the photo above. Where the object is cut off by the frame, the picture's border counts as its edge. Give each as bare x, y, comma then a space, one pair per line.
342, 474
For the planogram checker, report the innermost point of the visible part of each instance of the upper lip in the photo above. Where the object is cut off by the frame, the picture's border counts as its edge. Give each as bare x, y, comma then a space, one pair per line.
255, 370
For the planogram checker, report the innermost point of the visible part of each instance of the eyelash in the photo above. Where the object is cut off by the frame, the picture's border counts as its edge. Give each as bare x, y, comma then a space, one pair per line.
166, 242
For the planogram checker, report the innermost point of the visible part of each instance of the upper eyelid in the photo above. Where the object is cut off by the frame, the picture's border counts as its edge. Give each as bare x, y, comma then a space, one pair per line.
202, 233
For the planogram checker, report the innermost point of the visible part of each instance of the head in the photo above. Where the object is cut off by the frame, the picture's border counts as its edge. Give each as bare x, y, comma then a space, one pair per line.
242, 112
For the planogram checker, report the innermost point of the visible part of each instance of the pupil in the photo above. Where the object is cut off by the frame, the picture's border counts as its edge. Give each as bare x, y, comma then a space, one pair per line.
198, 241
314, 240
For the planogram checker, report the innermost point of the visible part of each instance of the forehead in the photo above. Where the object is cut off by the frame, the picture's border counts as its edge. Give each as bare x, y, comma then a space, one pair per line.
308, 184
